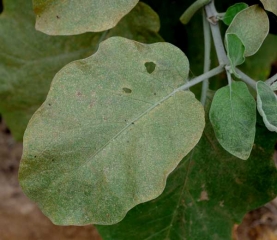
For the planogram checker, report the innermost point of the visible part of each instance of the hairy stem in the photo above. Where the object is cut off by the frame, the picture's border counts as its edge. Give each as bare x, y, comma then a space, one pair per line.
187, 15
207, 57
201, 78
246, 79
219, 47
272, 79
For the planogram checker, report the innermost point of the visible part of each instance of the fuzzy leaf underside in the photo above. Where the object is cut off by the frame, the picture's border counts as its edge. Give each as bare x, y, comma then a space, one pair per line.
206, 195
233, 116
30, 59
251, 25
110, 132
267, 105
67, 17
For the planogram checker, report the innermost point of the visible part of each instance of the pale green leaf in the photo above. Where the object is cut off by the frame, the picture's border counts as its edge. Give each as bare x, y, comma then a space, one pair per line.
233, 116
206, 195
30, 59
110, 132
67, 17
270, 5
232, 12
251, 25
267, 105
235, 51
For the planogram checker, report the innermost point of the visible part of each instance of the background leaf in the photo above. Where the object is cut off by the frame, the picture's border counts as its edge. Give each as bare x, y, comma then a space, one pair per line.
267, 105
251, 25
258, 66
270, 5
233, 116
206, 195
66, 17
235, 51
29, 59
105, 141
232, 12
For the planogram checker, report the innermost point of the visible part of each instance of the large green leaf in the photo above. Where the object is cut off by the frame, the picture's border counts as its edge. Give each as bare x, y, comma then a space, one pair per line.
29, 59
232, 12
110, 131
206, 195
235, 51
267, 105
233, 116
270, 5
67, 17
251, 25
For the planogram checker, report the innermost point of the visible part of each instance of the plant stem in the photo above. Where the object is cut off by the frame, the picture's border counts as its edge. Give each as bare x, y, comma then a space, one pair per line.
219, 47
246, 79
187, 15
207, 57
272, 79
201, 78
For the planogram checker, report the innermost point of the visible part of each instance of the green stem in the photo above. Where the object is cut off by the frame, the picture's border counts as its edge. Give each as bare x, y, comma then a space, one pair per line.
207, 57
187, 15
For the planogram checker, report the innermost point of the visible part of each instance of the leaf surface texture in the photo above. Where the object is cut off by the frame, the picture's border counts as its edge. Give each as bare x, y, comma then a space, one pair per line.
110, 132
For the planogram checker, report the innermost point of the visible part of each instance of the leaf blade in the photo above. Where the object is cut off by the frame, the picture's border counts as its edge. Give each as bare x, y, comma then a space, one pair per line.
267, 105
251, 25
233, 116
233, 11
56, 17
130, 137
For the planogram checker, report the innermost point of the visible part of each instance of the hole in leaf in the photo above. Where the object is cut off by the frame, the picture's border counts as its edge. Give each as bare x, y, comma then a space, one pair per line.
127, 90
1, 6
150, 67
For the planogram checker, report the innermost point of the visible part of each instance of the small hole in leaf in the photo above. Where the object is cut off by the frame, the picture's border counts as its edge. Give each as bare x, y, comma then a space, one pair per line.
1, 6
150, 67
127, 90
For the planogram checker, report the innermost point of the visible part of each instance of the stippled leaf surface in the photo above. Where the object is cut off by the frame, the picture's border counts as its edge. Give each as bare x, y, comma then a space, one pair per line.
251, 25
67, 17
29, 59
233, 116
110, 131
235, 50
206, 195
270, 5
232, 12
267, 105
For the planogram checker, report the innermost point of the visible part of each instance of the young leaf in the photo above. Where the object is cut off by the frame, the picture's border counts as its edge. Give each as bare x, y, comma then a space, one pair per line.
270, 5
233, 11
267, 105
251, 25
233, 116
206, 195
235, 51
66, 17
110, 131
29, 61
